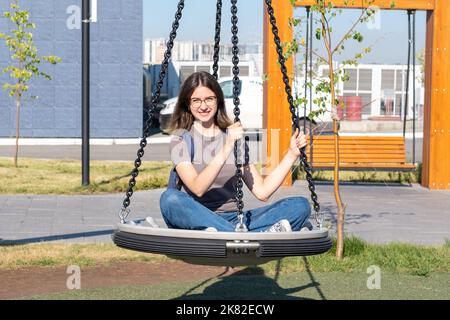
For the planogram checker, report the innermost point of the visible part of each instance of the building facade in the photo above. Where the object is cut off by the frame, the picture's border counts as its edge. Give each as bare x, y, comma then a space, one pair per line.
116, 71
382, 89
184, 51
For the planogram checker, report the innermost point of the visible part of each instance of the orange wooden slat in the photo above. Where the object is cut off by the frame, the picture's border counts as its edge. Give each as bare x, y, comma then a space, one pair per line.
380, 140
346, 157
382, 4
360, 159
325, 137
358, 152
358, 138
326, 148
358, 146
366, 165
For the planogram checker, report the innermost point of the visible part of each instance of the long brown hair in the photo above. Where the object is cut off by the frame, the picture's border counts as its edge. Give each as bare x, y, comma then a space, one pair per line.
182, 117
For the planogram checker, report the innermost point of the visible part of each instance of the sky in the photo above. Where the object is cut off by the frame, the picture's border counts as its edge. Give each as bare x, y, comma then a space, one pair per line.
389, 41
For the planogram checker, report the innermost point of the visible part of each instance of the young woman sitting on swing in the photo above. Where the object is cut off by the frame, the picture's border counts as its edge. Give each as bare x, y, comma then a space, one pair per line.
207, 199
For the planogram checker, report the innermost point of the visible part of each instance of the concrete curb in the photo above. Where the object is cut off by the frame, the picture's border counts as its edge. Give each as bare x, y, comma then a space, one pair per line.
77, 142
155, 140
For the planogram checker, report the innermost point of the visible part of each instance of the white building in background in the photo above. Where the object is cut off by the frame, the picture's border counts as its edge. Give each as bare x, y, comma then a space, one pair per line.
186, 68
183, 51
189, 51
154, 51
382, 89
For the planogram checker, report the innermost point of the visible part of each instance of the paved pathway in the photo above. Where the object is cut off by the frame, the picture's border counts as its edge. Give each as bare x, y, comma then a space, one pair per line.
376, 213
127, 152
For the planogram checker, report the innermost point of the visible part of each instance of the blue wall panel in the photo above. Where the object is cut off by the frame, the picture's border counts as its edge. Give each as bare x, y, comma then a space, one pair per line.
116, 71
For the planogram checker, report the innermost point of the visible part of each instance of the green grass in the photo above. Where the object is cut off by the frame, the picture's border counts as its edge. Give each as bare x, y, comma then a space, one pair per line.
55, 255
299, 285
64, 176
365, 176
395, 258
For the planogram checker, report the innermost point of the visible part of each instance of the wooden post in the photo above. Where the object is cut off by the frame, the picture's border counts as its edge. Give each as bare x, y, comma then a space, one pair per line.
436, 144
276, 113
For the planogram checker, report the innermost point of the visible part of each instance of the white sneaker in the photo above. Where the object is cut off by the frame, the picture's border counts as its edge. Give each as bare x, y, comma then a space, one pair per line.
281, 226
211, 229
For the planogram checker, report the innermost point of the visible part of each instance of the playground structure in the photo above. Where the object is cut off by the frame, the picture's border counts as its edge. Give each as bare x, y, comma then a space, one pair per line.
229, 248
436, 146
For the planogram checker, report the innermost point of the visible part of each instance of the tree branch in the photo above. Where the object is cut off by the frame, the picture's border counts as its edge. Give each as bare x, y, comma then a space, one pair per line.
350, 30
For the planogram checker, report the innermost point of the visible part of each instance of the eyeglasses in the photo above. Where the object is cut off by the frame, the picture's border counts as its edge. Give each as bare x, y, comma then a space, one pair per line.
209, 101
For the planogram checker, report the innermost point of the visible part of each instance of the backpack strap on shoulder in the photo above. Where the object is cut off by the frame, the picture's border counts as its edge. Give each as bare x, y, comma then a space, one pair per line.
174, 180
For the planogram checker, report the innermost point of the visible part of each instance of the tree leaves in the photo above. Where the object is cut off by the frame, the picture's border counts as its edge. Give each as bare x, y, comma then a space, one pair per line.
25, 61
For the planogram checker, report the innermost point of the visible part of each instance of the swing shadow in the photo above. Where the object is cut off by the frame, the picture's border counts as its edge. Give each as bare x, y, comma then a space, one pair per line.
58, 237
252, 284
118, 178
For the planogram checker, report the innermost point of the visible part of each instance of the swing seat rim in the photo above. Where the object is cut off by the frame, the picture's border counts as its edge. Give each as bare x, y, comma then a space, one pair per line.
137, 228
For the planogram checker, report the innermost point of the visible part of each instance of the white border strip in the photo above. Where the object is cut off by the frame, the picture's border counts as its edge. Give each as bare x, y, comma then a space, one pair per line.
408, 135
77, 142
157, 140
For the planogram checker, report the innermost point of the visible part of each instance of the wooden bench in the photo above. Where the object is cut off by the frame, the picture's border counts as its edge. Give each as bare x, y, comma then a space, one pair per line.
360, 153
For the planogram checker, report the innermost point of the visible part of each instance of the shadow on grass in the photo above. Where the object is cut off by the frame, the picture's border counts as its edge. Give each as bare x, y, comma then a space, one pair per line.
118, 178
250, 283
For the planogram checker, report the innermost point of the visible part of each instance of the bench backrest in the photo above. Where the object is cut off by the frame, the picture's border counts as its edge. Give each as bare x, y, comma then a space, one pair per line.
358, 150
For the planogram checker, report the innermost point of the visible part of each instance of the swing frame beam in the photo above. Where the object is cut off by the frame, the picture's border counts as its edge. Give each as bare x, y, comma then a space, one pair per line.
436, 138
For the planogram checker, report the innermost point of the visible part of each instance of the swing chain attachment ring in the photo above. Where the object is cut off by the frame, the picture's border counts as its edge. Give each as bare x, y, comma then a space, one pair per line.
319, 216
241, 227
123, 214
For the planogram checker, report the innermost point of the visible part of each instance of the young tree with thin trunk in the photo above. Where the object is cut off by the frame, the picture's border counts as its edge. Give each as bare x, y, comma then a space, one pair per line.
326, 89
24, 60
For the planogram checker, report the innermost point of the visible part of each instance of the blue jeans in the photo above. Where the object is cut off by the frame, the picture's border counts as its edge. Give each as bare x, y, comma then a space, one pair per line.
181, 211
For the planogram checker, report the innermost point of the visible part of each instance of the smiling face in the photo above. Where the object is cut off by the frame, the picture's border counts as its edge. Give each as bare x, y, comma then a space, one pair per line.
201, 99
203, 105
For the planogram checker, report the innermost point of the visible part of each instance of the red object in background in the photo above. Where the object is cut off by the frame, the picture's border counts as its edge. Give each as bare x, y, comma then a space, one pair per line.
341, 107
353, 108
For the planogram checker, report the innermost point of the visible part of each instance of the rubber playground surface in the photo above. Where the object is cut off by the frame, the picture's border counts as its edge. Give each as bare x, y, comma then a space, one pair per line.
178, 280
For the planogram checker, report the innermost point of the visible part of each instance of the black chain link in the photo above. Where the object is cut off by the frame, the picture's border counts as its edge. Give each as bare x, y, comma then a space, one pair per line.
156, 96
237, 112
215, 67
288, 90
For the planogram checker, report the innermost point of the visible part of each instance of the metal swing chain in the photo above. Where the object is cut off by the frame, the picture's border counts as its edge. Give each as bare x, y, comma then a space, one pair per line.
125, 211
215, 67
306, 66
317, 215
241, 227
406, 101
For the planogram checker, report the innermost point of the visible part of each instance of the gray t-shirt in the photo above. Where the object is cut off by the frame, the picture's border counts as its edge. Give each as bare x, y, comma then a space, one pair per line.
220, 197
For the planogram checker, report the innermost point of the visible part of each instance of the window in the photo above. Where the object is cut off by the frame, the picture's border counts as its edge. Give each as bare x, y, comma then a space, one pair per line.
387, 79
350, 85
185, 72
203, 68
225, 71
365, 79
399, 79
398, 104
366, 101
244, 71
